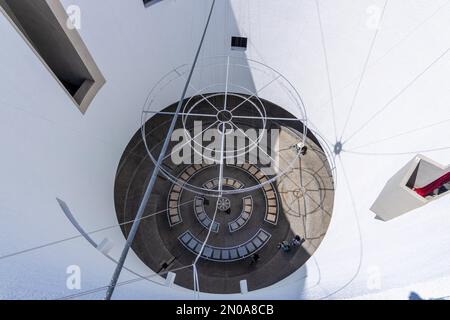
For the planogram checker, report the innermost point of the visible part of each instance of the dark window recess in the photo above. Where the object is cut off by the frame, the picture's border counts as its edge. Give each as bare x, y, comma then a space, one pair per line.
150, 2
61, 49
238, 43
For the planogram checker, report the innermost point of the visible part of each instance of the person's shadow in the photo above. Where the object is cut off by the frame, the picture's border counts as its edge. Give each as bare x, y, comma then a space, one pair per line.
414, 296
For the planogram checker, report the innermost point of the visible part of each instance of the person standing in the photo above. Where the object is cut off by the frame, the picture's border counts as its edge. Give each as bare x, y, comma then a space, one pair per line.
296, 241
255, 258
285, 246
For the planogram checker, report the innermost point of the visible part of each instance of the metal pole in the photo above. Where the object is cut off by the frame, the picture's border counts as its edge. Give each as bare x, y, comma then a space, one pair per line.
155, 172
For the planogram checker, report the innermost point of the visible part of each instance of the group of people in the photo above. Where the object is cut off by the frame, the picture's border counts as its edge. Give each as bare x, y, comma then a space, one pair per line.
435, 188
287, 245
442, 189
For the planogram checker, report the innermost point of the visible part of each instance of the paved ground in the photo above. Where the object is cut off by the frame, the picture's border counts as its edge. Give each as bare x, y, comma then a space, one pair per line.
304, 198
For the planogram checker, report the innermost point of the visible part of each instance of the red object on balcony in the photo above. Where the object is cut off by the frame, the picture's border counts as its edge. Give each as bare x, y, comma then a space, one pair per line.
433, 185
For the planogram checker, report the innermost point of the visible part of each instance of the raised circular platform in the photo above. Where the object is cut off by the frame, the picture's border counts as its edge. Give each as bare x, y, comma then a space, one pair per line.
254, 215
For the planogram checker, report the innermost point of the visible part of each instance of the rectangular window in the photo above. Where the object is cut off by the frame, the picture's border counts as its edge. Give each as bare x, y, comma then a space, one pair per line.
43, 25
238, 43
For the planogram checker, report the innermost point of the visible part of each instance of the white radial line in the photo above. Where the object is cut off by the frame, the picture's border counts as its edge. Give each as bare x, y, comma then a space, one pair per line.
196, 91
315, 131
363, 73
396, 153
327, 67
226, 85
398, 95
257, 92
326, 140
303, 217
170, 113
179, 147
358, 226
195, 281
208, 115
378, 60
400, 135
267, 118
220, 191
301, 171
194, 290
410, 34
